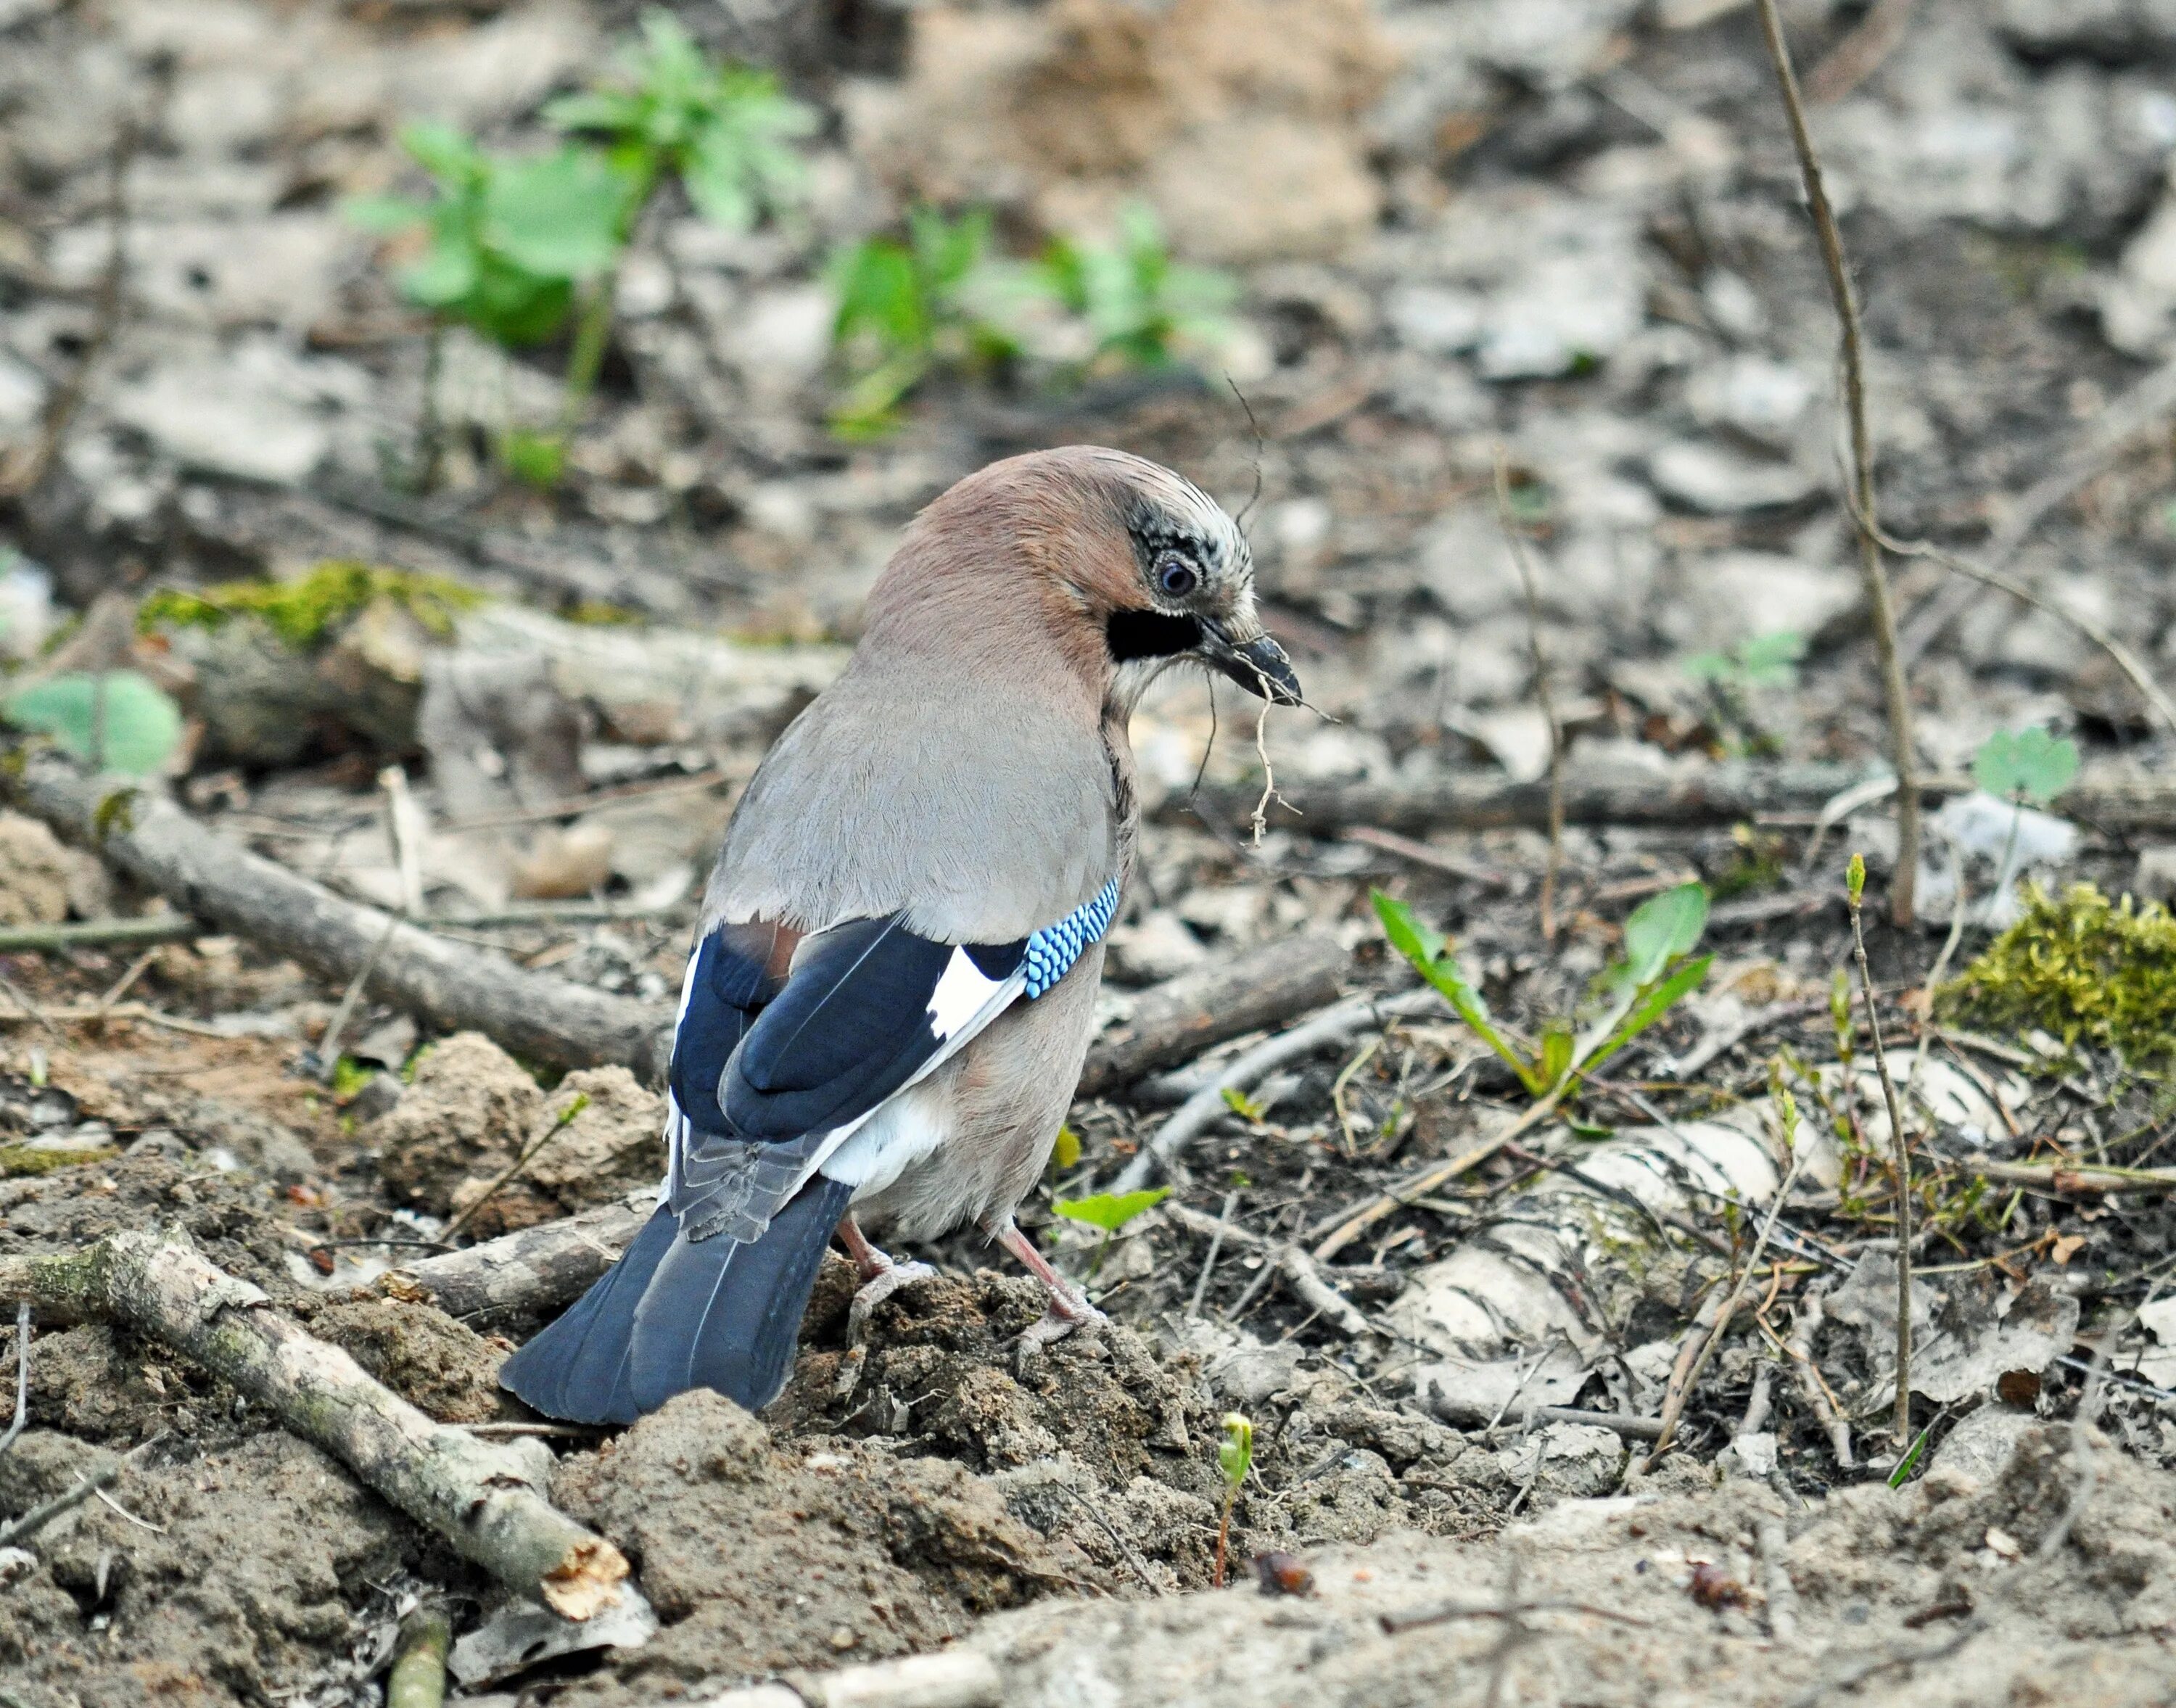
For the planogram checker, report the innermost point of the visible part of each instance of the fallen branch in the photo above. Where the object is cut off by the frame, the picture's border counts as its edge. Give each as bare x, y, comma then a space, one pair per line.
2062, 1176
949, 1678
1180, 1017
418, 1678
1732, 793
447, 985
478, 1496
529, 1274
1301, 1274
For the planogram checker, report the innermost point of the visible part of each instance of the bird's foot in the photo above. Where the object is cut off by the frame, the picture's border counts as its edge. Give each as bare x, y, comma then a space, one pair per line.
879, 1287
1069, 1308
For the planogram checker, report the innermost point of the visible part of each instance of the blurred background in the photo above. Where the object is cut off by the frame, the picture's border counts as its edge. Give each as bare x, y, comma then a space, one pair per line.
528, 393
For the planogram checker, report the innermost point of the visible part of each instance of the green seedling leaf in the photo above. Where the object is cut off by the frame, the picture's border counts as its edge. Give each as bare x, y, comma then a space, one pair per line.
121, 721
2027, 765
1432, 956
534, 458
1556, 1054
1910, 1461
1854, 879
1240, 1104
1065, 1152
1111, 1210
1771, 660
1661, 928
727, 130
560, 216
1235, 1449
1649, 1006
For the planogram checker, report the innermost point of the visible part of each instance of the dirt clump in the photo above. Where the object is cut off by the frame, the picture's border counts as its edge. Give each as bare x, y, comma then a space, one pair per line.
1105, 1442
435, 1363
473, 1110
264, 1555
761, 1554
42, 880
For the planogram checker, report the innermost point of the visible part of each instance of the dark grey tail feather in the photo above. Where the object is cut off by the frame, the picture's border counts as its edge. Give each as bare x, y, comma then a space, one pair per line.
726, 1314
576, 1369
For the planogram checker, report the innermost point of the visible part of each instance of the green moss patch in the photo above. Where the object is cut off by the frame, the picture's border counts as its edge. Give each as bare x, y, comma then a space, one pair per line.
302, 612
2083, 968
18, 1160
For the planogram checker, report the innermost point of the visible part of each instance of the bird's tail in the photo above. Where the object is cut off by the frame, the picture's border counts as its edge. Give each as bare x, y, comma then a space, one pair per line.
675, 1314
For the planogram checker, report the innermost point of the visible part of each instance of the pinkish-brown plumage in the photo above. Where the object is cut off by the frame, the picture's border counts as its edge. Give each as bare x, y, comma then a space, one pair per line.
967, 781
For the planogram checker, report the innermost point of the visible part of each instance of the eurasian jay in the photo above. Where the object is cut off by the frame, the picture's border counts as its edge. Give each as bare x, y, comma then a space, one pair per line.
893, 983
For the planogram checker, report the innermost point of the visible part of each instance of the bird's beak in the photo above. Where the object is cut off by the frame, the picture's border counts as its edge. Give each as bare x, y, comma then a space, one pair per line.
1256, 662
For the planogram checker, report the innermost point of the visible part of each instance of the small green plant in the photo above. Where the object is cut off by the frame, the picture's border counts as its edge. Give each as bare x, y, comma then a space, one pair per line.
1738, 678
2028, 766
910, 308
727, 132
1235, 1458
506, 240
120, 721
1630, 994
1110, 1211
1140, 307
513, 244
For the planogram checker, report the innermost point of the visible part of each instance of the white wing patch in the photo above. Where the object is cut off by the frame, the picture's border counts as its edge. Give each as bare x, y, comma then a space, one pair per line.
960, 995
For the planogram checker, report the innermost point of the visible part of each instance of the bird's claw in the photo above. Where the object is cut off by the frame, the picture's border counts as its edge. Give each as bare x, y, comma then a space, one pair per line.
1068, 1310
876, 1290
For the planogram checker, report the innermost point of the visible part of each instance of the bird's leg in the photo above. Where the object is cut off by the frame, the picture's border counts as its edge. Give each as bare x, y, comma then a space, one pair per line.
1069, 1306
882, 1276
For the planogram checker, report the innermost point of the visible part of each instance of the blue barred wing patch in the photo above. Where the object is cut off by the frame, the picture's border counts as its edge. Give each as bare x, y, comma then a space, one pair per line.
1052, 951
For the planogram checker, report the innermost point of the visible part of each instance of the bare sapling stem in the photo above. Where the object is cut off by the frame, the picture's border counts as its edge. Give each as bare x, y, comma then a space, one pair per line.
1855, 886
1880, 609
1516, 539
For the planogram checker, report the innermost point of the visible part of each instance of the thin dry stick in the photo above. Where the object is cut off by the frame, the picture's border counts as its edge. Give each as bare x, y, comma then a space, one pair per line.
121, 986
22, 1376
38, 1517
1688, 1369
1260, 821
1903, 1160
1805, 1323
1209, 1262
1349, 1225
1517, 541
1879, 608
566, 1120
2125, 660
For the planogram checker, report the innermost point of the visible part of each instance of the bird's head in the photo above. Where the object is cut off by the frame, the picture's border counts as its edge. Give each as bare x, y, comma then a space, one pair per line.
1133, 568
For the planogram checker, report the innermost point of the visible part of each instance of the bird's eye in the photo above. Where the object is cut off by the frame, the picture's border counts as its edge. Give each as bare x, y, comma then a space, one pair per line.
1176, 576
